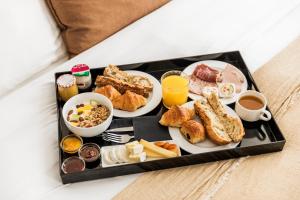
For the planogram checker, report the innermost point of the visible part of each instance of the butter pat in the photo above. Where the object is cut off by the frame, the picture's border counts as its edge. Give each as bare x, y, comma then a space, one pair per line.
135, 149
141, 157
130, 144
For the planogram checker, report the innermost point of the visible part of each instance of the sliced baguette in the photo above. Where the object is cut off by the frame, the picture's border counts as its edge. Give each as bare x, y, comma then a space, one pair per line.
233, 126
220, 127
214, 128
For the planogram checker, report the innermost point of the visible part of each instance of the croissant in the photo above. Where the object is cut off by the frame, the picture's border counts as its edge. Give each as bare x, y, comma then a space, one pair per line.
176, 116
108, 91
129, 101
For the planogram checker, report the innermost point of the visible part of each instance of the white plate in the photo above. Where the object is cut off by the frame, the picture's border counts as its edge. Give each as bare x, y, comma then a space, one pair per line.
109, 148
153, 100
219, 65
206, 145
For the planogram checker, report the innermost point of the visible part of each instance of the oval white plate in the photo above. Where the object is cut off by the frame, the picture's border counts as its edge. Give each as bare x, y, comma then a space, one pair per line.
153, 100
219, 65
201, 147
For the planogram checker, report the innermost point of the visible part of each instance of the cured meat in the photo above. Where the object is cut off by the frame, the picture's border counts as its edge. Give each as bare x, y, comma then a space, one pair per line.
196, 85
206, 73
231, 75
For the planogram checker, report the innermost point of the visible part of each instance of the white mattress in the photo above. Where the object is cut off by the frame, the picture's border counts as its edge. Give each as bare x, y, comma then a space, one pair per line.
28, 136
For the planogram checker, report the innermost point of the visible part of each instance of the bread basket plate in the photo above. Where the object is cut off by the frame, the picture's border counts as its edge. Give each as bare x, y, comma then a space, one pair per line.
153, 100
218, 65
206, 145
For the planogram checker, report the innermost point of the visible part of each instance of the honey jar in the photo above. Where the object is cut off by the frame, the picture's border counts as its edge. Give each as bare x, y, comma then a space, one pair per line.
67, 87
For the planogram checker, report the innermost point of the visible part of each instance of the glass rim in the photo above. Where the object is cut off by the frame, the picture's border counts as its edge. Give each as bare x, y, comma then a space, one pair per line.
179, 73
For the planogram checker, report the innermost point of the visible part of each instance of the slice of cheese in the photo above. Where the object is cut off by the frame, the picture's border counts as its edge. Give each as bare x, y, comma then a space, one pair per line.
164, 152
141, 157
135, 149
152, 154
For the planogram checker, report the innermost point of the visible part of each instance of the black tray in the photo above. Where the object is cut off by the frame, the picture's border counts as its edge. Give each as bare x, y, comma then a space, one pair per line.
261, 137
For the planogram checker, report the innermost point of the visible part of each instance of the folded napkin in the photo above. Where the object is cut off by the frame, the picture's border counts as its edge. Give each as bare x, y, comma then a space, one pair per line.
269, 176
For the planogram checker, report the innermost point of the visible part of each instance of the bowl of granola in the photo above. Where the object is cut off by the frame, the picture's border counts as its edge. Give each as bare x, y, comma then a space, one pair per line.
88, 114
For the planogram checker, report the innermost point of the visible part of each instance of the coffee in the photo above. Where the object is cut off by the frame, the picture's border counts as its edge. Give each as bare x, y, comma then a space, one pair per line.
251, 102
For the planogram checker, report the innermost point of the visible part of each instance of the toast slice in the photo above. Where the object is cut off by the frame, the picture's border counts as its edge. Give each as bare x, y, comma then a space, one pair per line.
121, 86
114, 72
221, 128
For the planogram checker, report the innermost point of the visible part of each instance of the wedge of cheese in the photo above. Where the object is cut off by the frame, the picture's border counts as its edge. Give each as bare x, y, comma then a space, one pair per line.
158, 150
151, 154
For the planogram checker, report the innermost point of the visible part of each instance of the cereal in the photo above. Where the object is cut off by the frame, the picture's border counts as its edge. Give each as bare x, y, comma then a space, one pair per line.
88, 114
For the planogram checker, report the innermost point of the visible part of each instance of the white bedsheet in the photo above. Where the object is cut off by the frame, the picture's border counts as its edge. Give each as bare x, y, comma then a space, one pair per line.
28, 136
30, 42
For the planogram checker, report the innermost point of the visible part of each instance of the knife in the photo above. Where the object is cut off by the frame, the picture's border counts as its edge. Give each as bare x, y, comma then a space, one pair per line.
122, 129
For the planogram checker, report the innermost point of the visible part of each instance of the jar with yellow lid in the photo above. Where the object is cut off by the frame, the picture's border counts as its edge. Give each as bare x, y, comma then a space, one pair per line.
67, 87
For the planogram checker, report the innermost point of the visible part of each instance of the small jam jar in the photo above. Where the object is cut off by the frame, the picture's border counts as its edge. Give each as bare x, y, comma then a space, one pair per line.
82, 75
67, 87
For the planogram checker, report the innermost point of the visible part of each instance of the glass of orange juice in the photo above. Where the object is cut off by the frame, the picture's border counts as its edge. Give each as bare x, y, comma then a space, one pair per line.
175, 88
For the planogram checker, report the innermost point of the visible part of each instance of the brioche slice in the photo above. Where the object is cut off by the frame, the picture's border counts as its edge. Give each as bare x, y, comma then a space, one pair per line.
176, 115
220, 127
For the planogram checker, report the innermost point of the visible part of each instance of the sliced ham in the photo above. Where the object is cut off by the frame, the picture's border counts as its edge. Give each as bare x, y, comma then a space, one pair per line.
231, 75
205, 73
196, 85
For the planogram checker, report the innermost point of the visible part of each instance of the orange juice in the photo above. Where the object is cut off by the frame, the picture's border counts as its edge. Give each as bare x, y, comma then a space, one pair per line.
175, 90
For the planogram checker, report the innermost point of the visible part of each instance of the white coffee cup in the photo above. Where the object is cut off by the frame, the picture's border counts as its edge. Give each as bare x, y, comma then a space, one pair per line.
249, 114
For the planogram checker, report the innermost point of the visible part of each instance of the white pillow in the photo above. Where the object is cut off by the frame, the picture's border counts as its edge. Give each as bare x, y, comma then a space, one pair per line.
30, 42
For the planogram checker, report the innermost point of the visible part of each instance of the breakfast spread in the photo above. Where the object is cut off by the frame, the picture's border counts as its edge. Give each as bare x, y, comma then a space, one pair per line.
67, 87
88, 114
82, 75
205, 119
226, 81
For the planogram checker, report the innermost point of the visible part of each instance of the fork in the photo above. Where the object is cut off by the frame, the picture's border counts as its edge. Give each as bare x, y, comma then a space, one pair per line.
112, 137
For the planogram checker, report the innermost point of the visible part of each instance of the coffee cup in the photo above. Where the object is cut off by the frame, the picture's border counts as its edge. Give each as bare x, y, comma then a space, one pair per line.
251, 106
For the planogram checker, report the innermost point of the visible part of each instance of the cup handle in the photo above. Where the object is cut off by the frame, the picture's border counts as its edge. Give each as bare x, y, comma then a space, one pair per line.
265, 115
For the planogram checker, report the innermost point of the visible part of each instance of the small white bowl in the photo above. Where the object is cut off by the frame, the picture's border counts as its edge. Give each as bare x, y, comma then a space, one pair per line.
86, 97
